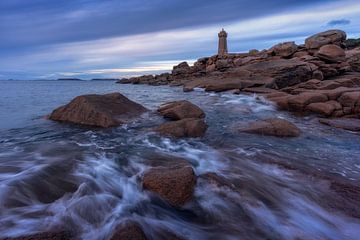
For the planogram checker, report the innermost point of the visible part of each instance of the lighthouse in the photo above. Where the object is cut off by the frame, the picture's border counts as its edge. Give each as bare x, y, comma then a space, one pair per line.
223, 49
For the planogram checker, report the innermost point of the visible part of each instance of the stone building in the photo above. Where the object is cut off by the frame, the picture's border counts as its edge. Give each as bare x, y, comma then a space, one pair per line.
223, 48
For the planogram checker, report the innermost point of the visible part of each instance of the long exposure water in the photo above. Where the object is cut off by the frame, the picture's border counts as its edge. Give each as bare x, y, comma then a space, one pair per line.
88, 179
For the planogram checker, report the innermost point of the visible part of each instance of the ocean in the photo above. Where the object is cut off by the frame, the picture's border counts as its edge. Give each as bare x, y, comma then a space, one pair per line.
58, 175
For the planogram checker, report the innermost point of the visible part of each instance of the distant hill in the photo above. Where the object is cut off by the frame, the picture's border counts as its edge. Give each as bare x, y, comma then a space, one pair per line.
69, 79
104, 79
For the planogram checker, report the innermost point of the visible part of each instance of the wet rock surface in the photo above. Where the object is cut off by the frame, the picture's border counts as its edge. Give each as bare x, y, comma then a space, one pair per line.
174, 183
187, 120
180, 109
272, 127
350, 124
188, 127
107, 110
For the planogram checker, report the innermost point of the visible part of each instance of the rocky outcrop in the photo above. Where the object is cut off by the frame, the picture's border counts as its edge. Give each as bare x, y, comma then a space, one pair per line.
337, 97
174, 183
129, 230
178, 110
272, 127
329, 37
284, 49
188, 127
99, 110
315, 77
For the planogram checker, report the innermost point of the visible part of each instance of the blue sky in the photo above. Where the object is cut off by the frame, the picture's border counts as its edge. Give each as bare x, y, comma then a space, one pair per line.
91, 38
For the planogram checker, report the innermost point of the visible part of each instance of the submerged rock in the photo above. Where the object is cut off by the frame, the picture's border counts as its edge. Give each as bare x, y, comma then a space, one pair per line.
173, 183
273, 127
99, 110
351, 124
180, 109
188, 127
129, 231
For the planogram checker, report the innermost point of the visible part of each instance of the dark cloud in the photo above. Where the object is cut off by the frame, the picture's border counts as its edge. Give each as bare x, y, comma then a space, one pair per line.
338, 22
25, 23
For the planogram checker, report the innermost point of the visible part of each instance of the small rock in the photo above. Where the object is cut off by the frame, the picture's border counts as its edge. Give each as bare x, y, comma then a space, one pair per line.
178, 110
175, 183
272, 127
188, 127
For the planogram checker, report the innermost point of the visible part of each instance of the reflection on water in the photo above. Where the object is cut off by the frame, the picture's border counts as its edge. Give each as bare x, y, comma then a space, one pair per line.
88, 180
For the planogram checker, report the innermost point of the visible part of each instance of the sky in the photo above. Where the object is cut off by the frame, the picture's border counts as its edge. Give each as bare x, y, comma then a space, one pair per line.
50, 39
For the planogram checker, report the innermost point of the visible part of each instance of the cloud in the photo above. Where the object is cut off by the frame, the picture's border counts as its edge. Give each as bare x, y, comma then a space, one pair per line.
34, 23
157, 51
338, 22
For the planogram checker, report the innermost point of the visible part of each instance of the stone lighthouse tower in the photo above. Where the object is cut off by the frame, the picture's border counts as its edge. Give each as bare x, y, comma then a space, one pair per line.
223, 49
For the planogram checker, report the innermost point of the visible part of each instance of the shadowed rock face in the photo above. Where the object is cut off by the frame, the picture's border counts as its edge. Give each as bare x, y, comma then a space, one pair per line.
99, 110
273, 127
174, 183
284, 49
129, 231
180, 109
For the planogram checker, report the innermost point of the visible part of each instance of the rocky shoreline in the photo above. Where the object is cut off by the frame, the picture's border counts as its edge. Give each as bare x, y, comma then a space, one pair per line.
321, 76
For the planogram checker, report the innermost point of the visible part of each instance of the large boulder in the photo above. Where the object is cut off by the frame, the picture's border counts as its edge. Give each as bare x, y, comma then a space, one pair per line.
272, 127
107, 110
178, 110
174, 183
331, 53
329, 37
188, 127
129, 230
284, 49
